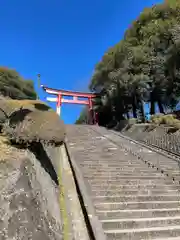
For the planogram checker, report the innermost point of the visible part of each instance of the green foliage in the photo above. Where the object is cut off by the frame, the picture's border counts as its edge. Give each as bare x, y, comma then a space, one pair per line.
14, 86
142, 67
83, 117
169, 120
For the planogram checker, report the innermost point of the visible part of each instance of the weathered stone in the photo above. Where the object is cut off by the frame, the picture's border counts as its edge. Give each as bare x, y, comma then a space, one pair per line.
29, 205
37, 126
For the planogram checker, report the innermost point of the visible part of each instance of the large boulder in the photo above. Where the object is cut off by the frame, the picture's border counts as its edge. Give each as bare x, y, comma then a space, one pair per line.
37, 126
29, 204
29, 187
31, 121
8, 106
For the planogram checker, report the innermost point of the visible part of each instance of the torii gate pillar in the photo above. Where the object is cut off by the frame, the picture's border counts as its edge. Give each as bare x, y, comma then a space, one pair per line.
59, 103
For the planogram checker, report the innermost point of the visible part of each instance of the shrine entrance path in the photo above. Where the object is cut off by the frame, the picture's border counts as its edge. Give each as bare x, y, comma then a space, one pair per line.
129, 187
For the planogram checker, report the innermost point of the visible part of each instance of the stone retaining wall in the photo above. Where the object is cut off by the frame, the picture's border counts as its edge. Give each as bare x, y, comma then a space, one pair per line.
164, 137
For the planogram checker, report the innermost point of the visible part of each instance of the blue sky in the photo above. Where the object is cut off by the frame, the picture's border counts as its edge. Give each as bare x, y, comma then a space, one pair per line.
62, 40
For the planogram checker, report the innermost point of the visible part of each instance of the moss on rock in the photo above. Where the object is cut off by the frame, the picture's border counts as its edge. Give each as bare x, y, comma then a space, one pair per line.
38, 126
7, 107
30, 120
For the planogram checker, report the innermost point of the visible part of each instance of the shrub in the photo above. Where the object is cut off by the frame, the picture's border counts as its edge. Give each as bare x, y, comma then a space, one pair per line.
169, 120
132, 120
157, 119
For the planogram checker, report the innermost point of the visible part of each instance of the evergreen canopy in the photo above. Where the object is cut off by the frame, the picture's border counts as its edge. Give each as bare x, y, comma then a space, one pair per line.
143, 67
14, 86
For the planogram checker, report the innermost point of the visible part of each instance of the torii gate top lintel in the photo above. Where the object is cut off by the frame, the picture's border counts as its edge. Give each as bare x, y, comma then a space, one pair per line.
68, 93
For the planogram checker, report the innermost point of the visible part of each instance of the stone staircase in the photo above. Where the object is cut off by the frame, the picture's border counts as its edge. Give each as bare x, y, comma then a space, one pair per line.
131, 200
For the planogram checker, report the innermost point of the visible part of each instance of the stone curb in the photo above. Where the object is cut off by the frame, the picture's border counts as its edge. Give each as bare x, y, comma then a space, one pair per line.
78, 227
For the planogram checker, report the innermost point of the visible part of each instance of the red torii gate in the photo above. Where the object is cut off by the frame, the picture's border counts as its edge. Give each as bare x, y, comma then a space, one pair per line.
59, 100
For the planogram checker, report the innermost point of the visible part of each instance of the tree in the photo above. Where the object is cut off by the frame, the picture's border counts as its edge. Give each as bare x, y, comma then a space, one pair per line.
14, 86
142, 67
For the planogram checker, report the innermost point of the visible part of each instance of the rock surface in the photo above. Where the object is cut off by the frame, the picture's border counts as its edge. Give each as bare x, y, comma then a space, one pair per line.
27, 121
29, 204
38, 126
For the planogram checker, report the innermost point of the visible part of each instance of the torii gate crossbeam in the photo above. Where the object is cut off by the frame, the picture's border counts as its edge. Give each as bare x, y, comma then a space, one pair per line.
75, 95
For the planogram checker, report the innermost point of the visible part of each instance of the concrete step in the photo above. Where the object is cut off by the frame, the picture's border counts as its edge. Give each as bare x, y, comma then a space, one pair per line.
112, 168
128, 170
99, 177
111, 192
136, 205
137, 213
116, 163
137, 163
138, 223
123, 174
131, 198
144, 233
96, 181
134, 187
109, 164
169, 238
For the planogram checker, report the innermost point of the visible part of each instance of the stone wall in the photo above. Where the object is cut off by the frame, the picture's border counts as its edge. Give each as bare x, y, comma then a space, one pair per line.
166, 138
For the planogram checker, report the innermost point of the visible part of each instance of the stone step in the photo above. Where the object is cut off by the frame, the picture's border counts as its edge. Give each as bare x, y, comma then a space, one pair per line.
175, 171
112, 167
123, 174
109, 164
131, 198
98, 177
144, 233
116, 159
169, 238
133, 187
176, 176
123, 165
129, 159
138, 223
138, 213
111, 192
123, 170
116, 163
171, 168
136, 205
129, 182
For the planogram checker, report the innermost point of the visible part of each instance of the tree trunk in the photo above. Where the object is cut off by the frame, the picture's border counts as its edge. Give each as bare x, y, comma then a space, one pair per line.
127, 114
142, 111
152, 108
160, 106
152, 102
134, 108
